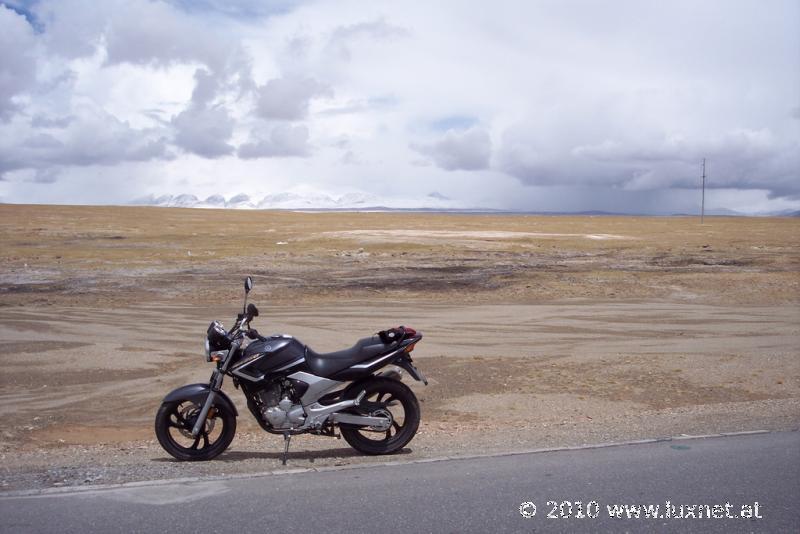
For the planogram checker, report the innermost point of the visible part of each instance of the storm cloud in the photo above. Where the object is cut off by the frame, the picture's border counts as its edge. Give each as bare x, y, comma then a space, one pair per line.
204, 131
466, 150
283, 141
287, 98
94, 138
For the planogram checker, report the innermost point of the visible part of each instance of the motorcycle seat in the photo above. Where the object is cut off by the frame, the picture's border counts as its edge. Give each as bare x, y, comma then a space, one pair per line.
330, 363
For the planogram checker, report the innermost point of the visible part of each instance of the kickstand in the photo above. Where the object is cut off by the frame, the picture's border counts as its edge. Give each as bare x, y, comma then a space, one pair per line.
286, 439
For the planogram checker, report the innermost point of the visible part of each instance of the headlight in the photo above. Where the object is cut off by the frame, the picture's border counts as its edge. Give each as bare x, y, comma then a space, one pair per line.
217, 342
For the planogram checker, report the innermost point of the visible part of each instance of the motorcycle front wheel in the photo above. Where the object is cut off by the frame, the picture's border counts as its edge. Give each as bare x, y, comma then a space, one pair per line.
399, 403
174, 423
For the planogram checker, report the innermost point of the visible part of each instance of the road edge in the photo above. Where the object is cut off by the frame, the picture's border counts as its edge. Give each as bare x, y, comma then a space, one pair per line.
71, 490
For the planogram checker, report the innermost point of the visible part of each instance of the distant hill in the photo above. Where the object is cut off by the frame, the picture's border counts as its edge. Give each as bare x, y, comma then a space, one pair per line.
432, 202
787, 213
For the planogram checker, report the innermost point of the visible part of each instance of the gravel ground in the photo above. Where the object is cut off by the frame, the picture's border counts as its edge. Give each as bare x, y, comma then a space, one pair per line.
258, 452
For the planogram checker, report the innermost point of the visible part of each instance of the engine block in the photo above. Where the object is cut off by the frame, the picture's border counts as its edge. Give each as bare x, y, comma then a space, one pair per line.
284, 413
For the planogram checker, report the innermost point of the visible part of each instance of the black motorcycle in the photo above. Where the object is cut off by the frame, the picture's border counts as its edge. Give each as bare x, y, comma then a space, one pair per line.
290, 389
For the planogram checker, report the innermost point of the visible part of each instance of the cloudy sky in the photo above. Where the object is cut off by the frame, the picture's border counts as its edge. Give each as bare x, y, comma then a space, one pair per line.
532, 105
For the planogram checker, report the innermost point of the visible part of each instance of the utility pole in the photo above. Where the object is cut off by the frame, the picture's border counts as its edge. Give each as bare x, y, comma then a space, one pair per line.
703, 201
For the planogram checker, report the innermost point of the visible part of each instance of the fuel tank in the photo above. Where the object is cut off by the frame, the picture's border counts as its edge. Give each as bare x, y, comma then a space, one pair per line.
269, 356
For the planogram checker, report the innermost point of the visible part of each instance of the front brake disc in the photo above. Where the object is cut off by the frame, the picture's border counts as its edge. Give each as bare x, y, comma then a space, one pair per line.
189, 414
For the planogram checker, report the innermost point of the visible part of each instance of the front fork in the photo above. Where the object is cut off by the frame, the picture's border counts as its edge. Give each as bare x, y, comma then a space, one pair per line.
216, 385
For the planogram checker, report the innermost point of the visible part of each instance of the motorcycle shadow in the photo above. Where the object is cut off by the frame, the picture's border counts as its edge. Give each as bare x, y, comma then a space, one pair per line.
236, 456
310, 456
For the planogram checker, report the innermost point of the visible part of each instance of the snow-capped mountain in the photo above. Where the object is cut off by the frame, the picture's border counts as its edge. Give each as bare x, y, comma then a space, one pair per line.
214, 201
296, 201
300, 201
242, 201
184, 201
169, 201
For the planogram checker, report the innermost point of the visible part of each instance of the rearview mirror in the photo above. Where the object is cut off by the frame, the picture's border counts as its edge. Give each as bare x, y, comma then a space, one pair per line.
248, 284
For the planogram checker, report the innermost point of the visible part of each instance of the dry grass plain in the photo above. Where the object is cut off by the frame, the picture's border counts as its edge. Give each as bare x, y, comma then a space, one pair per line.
539, 330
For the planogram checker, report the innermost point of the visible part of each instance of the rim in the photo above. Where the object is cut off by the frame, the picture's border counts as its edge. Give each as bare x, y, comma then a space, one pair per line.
181, 420
394, 409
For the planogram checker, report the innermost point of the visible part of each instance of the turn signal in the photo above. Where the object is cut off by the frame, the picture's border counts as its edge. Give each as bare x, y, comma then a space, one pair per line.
409, 348
217, 356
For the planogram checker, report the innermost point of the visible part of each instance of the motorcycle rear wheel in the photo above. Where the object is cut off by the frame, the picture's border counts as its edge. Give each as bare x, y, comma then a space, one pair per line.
174, 423
403, 406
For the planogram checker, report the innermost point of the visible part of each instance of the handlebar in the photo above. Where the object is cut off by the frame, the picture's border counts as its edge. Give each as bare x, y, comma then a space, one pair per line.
244, 319
252, 333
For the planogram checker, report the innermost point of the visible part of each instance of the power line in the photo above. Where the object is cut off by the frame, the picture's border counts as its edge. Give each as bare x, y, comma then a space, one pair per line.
703, 201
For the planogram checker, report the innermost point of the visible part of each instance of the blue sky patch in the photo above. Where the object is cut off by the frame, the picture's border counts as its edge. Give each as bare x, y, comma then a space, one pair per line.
454, 122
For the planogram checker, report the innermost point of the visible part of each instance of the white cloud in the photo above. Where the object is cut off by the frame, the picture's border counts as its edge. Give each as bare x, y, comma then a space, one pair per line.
344, 38
568, 104
17, 59
154, 32
73, 28
45, 122
206, 87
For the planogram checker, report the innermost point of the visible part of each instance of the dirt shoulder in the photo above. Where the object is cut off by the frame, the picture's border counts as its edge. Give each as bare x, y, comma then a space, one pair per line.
502, 377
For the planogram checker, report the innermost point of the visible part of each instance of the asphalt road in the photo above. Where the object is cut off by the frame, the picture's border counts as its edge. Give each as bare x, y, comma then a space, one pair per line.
468, 495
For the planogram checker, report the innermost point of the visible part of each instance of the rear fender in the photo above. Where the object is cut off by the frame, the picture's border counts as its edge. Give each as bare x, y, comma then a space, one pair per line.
404, 362
197, 393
